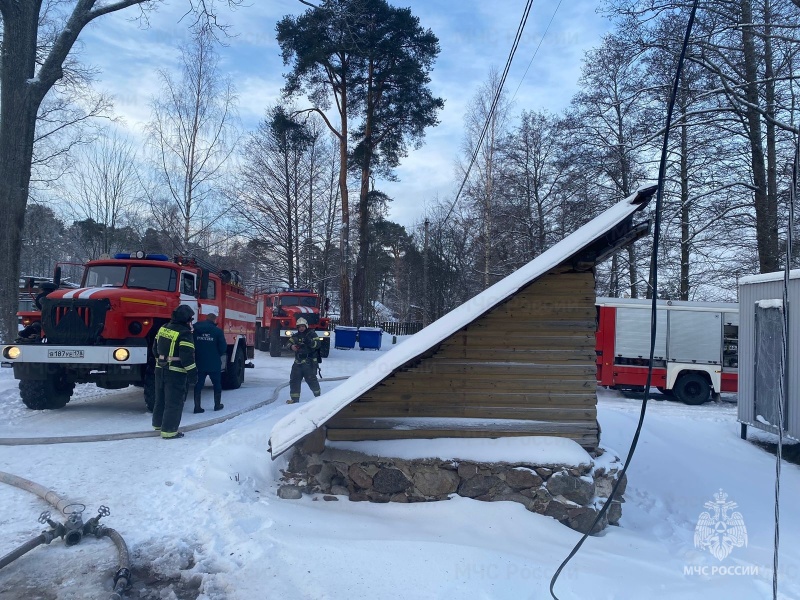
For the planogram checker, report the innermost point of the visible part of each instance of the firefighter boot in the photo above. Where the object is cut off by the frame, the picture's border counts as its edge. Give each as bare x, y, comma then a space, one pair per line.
197, 408
218, 405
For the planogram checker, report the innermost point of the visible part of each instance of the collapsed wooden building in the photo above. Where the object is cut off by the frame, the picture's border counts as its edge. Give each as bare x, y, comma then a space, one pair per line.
517, 359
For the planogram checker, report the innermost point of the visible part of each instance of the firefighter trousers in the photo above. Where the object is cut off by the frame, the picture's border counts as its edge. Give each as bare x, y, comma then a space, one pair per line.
304, 370
171, 391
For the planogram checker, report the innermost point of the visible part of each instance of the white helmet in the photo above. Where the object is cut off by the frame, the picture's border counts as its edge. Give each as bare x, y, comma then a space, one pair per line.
302, 321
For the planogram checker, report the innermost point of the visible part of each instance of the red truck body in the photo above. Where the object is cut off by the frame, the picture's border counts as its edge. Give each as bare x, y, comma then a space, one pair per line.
102, 332
278, 312
696, 352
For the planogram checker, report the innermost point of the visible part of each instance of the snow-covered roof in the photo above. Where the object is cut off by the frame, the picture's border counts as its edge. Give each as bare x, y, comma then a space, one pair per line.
777, 276
308, 417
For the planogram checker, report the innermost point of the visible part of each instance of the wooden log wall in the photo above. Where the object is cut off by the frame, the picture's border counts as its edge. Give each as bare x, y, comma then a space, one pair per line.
526, 367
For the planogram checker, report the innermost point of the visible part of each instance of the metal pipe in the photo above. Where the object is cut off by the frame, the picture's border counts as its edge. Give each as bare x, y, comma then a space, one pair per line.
122, 577
23, 549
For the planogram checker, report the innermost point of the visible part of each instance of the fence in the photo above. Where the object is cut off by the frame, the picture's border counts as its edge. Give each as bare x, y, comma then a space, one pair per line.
392, 327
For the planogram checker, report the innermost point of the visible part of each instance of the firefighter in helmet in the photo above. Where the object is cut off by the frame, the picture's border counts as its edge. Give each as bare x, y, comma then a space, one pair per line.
175, 371
305, 344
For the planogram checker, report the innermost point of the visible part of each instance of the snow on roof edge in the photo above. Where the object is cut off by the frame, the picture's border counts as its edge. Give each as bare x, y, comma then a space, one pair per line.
307, 417
764, 277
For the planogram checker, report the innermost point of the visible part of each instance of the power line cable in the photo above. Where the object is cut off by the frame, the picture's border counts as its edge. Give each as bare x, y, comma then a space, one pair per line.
495, 101
653, 314
535, 52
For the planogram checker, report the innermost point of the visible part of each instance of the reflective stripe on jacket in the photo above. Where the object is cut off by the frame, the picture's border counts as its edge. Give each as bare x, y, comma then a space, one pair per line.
174, 346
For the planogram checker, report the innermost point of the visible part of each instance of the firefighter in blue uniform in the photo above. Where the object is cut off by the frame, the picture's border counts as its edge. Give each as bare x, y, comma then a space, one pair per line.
210, 349
173, 348
305, 344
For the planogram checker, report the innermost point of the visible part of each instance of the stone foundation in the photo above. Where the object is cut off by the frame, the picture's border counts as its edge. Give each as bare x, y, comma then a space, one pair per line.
572, 494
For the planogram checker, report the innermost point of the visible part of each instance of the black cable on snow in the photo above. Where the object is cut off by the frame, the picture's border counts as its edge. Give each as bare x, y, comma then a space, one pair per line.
653, 315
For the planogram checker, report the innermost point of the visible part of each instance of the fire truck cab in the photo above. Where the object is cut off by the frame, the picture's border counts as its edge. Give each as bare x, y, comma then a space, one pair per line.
103, 331
278, 311
696, 349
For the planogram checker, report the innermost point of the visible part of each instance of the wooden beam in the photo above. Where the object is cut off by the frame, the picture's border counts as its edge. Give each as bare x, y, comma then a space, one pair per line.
421, 409
585, 439
507, 384
475, 397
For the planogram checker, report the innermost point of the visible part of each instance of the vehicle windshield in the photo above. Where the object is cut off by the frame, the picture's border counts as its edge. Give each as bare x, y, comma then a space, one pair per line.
104, 276
298, 301
153, 278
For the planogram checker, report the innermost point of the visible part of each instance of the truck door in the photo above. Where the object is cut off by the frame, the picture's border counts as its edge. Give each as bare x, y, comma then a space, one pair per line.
188, 289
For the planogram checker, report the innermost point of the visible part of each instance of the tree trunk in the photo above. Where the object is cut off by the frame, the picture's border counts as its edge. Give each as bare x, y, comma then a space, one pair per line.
19, 102
685, 211
345, 309
766, 208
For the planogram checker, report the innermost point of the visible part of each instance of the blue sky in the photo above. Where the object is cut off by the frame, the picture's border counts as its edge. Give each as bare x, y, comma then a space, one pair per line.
474, 37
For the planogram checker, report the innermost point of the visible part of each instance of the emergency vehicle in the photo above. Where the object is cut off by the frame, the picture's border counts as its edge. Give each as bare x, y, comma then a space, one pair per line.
696, 349
102, 332
278, 311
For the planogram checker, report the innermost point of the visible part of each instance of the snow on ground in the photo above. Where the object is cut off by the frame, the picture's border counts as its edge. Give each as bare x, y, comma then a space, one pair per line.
202, 518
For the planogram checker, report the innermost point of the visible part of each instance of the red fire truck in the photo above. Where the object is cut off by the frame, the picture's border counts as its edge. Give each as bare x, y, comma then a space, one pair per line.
696, 350
278, 311
102, 332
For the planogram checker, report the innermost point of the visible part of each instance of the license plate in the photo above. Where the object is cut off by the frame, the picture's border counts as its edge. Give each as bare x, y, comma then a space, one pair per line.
65, 354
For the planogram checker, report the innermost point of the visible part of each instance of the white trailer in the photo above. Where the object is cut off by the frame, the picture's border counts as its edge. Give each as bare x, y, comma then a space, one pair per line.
762, 310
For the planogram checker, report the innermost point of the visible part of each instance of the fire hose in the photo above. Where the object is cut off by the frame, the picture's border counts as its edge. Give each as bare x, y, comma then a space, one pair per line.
72, 530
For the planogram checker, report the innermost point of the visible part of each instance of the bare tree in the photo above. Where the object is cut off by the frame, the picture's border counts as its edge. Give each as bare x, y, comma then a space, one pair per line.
104, 187
193, 134
26, 78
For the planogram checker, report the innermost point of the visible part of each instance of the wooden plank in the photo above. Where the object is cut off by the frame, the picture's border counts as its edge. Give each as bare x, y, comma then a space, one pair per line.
410, 409
488, 337
544, 313
473, 397
461, 424
510, 385
519, 354
585, 439
482, 369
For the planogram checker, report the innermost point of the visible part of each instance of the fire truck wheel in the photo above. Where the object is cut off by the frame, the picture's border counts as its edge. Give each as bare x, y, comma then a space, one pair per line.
233, 377
44, 394
326, 348
692, 388
275, 342
150, 388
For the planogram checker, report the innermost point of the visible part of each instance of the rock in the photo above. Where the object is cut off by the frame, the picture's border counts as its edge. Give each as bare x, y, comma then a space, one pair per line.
339, 490
314, 469
521, 478
298, 463
360, 477
289, 492
543, 472
581, 519
614, 513
557, 510
326, 473
390, 481
436, 483
622, 486
330, 498
399, 498
477, 485
359, 497
378, 497
513, 497
467, 470
577, 489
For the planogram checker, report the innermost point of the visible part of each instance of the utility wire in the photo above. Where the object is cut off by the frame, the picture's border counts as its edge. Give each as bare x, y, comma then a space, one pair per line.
535, 52
495, 101
653, 314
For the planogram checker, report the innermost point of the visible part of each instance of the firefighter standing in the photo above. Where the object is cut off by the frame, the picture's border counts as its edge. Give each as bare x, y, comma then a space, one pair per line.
210, 348
175, 371
305, 344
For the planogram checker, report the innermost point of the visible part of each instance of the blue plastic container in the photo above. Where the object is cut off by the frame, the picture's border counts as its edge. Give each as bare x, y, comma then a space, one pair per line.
369, 338
344, 337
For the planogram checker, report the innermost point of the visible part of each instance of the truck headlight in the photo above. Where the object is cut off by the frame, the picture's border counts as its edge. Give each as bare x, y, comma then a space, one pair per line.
121, 354
326, 334
11, 352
